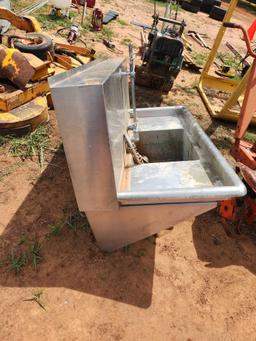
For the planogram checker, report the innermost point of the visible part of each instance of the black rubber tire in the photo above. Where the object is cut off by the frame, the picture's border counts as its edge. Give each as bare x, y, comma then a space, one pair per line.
196, 2
217, 13
207, 5
187, 6
217, 3
40, 50
206, 8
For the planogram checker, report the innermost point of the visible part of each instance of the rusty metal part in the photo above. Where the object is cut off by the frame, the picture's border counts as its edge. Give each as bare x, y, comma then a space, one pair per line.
13, 98
65, 61
237, 54
25, 118
190, 64
202, 41
83, 51
229, 212
25, 23
234, 214
73, 34
15, 67
15, 36
197, 38
248, 174
131, 148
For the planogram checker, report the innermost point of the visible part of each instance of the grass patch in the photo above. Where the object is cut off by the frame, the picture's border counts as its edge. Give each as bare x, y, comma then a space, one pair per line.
199, 58
37, 297
251, 137
51, 22
162, 3
55, 229
17, 261
73, 223
18, 5
29, 252
228, 59
35, 254
126, 41
107, 33
188, 90
87, 25
248, 6
122, 22
29, 145
77, 222
101, 55
9, 170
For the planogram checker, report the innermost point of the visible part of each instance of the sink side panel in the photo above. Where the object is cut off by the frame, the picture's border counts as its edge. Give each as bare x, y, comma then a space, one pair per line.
81, 118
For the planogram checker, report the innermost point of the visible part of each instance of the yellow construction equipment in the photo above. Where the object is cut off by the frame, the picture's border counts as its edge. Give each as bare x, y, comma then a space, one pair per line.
21, 110
24, 23
233, 87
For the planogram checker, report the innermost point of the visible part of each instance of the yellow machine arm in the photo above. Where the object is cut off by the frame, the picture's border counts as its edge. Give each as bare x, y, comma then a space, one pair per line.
25, 23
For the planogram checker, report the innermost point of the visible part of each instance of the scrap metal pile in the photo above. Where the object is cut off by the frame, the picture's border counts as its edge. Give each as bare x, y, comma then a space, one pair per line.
28, 58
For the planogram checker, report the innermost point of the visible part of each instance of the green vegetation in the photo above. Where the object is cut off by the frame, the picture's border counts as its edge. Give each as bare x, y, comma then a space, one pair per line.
9, 170
199, 58
188, 90
18, 5
33, 144
29, 251
35, 254
17, 261
228, 59
122, 22
76, 222
248, 6
51, 22
158, 2
19, 258
55, 229
101, 55
107, 33
126, 41
251, 137
87, 25
37, 297
162, 3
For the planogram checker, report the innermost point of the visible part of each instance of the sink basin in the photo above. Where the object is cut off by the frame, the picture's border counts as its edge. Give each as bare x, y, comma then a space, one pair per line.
125, 202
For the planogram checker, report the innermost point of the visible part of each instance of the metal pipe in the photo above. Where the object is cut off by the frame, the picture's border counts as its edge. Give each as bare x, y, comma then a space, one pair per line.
166, 14
132, 78
31, 8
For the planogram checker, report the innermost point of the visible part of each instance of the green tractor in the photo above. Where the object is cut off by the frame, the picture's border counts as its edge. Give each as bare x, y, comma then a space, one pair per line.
162, 54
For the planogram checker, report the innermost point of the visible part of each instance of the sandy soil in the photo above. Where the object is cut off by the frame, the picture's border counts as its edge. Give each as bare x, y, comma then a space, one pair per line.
188, 283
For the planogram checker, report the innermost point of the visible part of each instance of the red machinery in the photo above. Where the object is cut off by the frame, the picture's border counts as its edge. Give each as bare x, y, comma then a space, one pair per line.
97, 19
244, 153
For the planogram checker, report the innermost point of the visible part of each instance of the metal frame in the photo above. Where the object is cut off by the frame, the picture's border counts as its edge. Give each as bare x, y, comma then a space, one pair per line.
235, 87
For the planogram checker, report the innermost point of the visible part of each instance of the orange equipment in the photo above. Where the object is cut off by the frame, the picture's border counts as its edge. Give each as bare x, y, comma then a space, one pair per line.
243, 152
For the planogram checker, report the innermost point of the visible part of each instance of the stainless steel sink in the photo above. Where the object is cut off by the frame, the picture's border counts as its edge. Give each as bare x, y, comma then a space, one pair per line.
125, 202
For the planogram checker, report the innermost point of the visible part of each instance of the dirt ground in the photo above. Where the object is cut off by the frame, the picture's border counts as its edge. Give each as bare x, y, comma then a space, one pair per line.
190, 282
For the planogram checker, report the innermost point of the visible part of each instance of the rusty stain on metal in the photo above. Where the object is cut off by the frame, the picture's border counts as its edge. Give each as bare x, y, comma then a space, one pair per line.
15, 67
